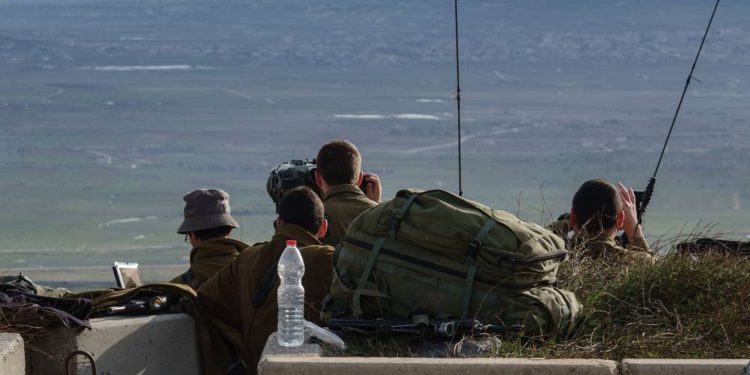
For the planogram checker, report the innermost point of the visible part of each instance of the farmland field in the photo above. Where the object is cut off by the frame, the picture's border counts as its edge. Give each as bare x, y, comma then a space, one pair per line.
111, 110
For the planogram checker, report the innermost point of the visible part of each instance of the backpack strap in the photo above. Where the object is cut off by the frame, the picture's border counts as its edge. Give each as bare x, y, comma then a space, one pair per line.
266, 285
395, 220
187, 277
471, 260
356, 300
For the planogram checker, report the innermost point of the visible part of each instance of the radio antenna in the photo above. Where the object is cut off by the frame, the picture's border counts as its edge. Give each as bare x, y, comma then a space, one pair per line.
458, 99
646, 195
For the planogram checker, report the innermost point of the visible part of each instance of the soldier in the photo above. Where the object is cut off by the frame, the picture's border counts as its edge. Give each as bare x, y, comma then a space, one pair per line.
338, 175
598, 212
207, 226
239, 306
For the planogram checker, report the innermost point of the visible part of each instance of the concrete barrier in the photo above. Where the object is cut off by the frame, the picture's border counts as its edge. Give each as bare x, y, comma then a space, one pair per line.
307, 360
272, 365
683, 366
12, 359
155, 344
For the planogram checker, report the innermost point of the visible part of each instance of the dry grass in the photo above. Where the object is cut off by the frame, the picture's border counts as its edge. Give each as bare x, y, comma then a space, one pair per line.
680, 307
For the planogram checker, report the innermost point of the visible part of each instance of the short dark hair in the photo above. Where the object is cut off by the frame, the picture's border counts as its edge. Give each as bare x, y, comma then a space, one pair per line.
596, 204
210, 233
301, 206
339, 162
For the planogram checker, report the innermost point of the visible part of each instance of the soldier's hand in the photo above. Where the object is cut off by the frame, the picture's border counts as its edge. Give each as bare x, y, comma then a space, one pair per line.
630, 224
373, 188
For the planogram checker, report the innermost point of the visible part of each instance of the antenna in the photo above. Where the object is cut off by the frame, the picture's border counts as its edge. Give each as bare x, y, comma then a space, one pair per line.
644, 198
646, 195
684, 90
458, 99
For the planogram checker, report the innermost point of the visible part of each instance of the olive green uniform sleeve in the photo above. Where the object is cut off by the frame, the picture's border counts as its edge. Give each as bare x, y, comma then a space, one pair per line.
559, 227
638, 248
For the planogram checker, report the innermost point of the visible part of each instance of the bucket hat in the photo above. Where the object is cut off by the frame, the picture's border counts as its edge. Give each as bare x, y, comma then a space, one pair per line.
206, 209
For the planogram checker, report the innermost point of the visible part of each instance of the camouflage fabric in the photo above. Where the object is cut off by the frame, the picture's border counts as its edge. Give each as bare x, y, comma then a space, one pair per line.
232, 326
208, 258
560, 228
603, 246
600, 246
343, 203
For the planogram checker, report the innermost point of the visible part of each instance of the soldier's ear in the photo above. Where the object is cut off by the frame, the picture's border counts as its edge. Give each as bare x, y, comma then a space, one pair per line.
620, 220
323, 229
318, 179
277, 223
573, 224
359, 178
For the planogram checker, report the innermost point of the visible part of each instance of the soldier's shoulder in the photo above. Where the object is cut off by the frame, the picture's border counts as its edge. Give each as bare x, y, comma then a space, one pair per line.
559, 227
626, 254
258, 244
318, 249
252, 250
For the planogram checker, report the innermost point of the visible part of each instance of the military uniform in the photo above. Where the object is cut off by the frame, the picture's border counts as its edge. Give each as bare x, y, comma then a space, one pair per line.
601, 246
560, 227
343, 203
207, 258
605, 247
226, 301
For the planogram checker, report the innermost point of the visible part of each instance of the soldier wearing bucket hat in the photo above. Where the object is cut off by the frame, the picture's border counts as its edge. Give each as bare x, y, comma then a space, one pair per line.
207, 225
238, 307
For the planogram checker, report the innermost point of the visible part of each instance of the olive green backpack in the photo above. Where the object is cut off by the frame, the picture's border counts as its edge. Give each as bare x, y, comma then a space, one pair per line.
433, 252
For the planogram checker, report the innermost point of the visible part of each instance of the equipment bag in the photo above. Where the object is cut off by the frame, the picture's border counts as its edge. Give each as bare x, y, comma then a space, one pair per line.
433, 252
706, 245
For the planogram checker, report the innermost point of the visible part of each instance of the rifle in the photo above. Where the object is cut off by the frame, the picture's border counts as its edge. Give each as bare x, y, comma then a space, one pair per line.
419, 326
142, 306
643, 198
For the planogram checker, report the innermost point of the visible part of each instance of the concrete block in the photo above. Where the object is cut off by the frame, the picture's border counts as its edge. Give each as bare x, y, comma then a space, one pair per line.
12, 359
272, 365
683, 366
155, 344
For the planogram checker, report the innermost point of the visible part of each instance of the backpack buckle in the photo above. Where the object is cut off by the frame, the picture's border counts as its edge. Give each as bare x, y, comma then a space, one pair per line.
393, 223
474, 246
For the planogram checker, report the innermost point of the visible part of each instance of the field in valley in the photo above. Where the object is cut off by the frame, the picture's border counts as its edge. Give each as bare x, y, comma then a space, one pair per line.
111, 111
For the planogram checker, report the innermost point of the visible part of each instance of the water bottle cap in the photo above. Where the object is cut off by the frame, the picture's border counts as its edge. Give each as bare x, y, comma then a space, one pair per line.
292, 243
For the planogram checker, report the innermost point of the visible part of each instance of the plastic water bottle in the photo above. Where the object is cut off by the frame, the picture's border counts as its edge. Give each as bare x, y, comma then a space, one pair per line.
291, 296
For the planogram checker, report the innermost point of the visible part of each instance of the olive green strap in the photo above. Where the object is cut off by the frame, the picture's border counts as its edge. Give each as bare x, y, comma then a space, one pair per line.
371, 293
356, 303
395, 221
564, 326
471, 260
